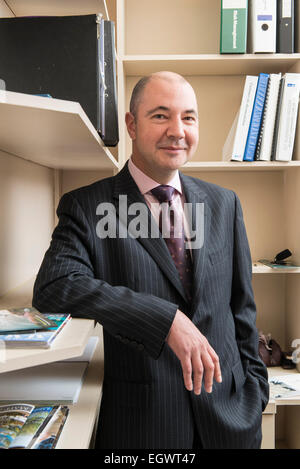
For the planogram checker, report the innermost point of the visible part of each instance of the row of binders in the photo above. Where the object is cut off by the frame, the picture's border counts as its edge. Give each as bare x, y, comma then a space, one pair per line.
257, 26
265, 125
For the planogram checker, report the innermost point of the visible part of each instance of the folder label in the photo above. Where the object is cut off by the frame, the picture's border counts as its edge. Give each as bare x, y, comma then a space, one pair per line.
232, 4
264, 17
286, 9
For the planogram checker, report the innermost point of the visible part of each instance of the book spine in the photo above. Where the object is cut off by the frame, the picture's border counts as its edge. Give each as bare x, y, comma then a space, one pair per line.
263, 122
285, 26
256, 117
233, 34
244, 118
262, 26
288, 118
264, 144
276, 126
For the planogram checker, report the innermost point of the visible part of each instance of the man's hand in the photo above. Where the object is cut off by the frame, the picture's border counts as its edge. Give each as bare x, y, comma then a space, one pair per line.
196, 356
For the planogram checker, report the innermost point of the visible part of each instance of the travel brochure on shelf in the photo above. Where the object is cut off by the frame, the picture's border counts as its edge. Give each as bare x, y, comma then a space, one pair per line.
23, 319
42, 327
24, 426
285, 386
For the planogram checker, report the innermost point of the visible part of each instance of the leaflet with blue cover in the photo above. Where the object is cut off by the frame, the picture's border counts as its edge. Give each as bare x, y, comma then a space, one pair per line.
256, 116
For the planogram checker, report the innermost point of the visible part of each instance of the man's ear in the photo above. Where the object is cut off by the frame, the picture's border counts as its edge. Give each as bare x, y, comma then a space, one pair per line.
131, 125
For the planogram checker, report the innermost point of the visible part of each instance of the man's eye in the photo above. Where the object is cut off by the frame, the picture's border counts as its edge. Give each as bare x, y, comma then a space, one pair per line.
189, 118
159, 116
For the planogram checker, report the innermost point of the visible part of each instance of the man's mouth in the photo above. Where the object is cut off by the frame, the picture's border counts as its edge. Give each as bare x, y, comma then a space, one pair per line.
172, 148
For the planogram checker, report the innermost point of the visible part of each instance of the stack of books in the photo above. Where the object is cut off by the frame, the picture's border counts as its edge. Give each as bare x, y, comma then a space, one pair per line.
257, 26
264, 127
27, 327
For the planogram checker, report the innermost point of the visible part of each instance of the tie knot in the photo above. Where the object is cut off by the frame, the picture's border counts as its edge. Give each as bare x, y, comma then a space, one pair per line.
163, 193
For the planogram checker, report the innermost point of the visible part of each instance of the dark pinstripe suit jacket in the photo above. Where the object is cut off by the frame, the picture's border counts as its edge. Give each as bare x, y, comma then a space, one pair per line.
132, 288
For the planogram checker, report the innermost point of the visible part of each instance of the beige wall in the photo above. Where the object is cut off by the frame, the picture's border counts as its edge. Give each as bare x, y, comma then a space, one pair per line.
26, 213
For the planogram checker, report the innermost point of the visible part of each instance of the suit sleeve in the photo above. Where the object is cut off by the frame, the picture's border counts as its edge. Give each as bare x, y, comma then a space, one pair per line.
66, 284
243, 305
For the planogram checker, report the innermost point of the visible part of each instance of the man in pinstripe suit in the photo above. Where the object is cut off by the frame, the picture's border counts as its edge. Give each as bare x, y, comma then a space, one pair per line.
180, 371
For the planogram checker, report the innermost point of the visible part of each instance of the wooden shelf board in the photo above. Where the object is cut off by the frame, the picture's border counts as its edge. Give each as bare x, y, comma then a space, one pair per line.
194, 166
51, 132
78, 430
56, 7
258, 268
209, 64
68, 344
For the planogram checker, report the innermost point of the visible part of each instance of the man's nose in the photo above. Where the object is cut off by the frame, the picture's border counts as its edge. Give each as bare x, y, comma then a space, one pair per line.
176, 128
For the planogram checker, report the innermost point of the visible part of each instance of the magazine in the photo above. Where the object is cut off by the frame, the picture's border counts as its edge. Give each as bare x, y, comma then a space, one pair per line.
23, 319
39, 338
25, 426
48, 438
284, 386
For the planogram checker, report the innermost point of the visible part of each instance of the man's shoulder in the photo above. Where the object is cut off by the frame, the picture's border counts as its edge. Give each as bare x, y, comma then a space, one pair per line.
210, 189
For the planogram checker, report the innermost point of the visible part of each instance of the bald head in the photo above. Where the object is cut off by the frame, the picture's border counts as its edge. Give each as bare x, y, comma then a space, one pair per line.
138, 90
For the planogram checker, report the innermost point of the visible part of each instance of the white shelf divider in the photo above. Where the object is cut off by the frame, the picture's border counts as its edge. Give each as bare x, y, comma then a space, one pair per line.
209, 64
51, 132
56, 7
259, 268
196, 166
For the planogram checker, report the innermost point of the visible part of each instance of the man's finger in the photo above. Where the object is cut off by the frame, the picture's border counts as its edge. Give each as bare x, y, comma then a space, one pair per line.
217, 367
197, 372
186, 366
209, 371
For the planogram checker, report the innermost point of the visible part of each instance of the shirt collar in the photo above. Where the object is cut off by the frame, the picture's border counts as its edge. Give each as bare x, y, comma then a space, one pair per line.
146, 184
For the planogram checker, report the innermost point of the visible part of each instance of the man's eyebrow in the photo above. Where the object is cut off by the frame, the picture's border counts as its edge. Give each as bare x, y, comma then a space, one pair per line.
191, 111
157, 108
164, 108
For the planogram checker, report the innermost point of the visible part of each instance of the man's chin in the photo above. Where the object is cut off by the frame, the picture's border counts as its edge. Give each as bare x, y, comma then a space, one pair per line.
175, 162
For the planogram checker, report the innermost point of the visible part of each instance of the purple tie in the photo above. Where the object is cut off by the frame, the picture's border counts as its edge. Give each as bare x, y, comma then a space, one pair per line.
175, 241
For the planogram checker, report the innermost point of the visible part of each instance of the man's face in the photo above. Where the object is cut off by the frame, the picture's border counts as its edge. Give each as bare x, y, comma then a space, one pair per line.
165, 130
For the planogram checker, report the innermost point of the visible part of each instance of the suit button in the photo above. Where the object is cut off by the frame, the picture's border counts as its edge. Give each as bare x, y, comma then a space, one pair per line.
141, 347
125, 340
118, 336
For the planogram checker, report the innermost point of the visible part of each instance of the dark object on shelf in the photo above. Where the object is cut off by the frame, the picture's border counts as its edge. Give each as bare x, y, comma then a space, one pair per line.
269, 350
287, 361
281, 256
69, 57
279, 261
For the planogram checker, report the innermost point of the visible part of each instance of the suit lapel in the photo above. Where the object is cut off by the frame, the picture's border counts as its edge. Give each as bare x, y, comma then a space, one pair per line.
200, 221
156, 247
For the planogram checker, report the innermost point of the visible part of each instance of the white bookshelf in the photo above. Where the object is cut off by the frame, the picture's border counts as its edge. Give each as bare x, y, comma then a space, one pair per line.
48, 146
